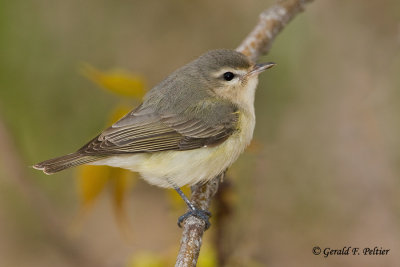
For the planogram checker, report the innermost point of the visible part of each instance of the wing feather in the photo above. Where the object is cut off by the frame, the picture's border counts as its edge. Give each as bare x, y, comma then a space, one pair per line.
145, 131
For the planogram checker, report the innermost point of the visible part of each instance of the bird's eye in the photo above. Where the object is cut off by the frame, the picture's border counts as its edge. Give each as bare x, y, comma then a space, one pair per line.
228, 76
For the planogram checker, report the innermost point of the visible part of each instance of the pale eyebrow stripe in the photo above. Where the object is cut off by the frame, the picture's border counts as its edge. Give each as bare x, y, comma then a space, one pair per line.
235, 71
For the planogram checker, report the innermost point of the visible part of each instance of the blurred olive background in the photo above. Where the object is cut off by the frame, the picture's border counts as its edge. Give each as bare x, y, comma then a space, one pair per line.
324, 169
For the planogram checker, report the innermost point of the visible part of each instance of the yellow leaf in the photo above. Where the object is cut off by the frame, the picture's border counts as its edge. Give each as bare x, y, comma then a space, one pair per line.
93, 179
91, 182
122, 182
117, 81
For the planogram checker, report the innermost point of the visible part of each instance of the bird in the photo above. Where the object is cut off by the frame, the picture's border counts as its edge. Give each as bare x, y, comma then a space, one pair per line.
189, 128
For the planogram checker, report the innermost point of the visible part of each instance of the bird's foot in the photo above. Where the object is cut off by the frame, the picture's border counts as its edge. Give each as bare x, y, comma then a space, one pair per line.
201, 214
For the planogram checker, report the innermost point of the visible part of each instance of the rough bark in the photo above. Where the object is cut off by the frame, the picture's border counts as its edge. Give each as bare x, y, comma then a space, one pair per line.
257, 43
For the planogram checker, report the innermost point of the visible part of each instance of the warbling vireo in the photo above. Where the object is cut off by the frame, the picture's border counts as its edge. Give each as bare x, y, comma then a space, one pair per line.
190, 128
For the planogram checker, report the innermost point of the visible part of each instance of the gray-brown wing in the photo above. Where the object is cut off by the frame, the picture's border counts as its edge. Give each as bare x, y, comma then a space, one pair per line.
143, 130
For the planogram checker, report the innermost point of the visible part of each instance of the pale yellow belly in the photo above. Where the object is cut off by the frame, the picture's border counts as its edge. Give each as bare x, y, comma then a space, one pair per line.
187, 167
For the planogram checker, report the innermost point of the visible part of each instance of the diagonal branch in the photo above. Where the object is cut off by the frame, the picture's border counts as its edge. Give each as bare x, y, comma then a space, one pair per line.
258, 42
271, 22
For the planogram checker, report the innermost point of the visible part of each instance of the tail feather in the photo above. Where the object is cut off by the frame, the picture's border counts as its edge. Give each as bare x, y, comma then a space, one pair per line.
64, 162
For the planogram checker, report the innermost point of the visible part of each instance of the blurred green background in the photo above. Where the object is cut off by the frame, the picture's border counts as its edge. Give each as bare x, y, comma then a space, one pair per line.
324, 169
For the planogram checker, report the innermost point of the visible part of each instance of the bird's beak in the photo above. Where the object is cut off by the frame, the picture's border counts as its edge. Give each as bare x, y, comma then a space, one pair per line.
261, 67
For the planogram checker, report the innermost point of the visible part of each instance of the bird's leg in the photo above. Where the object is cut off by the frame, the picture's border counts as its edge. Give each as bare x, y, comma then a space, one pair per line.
193, 211
184, 197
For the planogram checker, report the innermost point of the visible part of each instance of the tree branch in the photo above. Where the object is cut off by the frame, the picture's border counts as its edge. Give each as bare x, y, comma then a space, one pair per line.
270, 24
258, 42
193, 228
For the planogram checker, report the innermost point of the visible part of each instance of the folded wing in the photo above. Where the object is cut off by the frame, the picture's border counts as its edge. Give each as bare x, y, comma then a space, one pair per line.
145, 130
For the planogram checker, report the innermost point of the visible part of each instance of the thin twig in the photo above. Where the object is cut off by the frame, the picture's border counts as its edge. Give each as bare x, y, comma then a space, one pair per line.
271, 23
257, 43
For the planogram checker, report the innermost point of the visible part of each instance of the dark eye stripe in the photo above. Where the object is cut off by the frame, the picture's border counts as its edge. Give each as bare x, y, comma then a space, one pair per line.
228, 76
